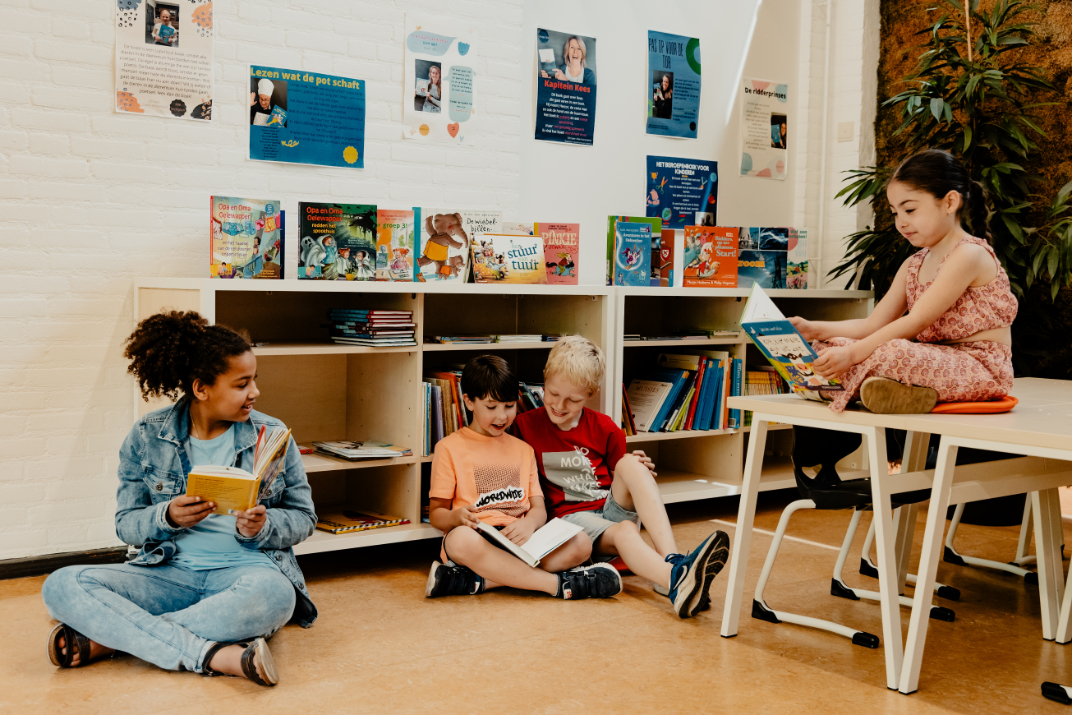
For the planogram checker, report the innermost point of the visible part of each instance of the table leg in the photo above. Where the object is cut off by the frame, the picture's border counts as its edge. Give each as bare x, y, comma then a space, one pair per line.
753, 467
1064, 627
1048, 559
885, 546
928, 567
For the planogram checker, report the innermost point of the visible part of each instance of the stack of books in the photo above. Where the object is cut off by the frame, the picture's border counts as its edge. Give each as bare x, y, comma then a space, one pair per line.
763, 381
373, 328
346, 520
685, 392
363, 449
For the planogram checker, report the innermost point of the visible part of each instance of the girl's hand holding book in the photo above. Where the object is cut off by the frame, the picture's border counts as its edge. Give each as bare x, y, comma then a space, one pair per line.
186, 511
250, 522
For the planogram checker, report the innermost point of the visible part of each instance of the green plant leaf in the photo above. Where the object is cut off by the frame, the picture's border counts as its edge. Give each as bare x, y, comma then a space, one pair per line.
936, 108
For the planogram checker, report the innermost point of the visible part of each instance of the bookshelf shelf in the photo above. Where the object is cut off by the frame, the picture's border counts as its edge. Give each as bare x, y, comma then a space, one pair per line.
327, 391
741, 340
457, 347
273, 349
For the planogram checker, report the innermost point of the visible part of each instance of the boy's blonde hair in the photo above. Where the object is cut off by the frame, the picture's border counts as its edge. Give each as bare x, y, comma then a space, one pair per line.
577, 359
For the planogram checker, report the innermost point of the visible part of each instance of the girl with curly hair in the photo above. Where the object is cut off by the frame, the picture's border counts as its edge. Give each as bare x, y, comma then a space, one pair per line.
205, 590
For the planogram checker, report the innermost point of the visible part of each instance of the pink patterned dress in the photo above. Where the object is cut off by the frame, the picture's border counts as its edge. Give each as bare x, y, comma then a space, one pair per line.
976, 371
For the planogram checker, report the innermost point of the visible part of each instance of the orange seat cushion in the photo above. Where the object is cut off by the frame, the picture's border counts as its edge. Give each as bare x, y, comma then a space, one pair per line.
976, 408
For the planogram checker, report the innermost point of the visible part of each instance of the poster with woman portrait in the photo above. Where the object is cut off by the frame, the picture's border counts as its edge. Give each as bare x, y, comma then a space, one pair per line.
565, 87
439, 99
764, 129
673, 85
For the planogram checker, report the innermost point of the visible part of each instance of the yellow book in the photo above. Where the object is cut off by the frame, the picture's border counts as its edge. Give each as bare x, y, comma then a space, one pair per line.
233, 489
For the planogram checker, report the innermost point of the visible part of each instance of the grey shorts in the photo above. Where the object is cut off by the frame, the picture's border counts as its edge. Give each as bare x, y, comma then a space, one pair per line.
596, 521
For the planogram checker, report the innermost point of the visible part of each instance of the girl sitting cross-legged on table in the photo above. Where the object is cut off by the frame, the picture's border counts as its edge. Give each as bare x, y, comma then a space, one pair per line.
942, 332
206, 589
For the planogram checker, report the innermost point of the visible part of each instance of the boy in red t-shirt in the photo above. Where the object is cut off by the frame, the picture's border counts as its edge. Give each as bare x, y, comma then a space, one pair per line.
589, 479
482, 474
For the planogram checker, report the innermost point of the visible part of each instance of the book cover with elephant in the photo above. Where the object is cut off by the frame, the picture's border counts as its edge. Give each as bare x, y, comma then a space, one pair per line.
710, 259
338, 241
446, 237
560, 249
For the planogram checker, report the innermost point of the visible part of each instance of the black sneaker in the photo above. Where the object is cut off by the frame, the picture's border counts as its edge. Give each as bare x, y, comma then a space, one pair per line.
596, 581
692, 574
717, 560
449, 579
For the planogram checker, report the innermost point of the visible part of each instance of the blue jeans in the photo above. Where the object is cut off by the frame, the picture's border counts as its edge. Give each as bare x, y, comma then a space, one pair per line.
168, 615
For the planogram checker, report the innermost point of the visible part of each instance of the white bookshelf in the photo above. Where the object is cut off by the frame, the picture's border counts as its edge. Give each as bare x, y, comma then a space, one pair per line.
707, 464
324, 391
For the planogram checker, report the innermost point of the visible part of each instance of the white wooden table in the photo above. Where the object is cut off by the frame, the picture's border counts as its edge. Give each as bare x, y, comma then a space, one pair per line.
1040, 427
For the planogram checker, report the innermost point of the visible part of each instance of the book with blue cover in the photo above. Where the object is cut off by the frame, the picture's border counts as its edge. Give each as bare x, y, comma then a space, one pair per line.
632, 254
783, 346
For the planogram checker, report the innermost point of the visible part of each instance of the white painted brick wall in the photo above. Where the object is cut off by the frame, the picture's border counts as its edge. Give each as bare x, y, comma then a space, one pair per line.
86, 205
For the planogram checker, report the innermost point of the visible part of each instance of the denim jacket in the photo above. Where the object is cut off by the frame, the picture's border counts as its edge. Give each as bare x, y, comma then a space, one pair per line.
153, 466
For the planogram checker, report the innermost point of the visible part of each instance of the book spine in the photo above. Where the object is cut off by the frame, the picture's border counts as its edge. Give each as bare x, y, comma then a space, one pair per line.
725, 409
738, 369
690, 420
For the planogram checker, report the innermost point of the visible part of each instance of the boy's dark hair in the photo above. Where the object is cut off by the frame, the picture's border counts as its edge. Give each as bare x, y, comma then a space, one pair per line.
489, 376
168, 351
938, 172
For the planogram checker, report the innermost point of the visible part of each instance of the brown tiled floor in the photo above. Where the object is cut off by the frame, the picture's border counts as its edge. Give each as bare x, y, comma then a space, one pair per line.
380, 646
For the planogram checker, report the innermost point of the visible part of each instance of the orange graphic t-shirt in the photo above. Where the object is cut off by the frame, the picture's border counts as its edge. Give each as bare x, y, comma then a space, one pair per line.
497, 475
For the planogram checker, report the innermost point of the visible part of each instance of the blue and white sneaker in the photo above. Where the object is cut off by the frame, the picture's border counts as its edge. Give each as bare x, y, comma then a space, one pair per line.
692, 575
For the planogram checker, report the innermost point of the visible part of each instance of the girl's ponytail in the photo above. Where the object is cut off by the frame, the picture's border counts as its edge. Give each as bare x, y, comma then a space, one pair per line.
168, 351
977, 211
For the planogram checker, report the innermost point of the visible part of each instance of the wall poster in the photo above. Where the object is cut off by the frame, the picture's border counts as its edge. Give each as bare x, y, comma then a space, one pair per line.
682, 192
565, 87
163, 58
764, 129
306, 117
673, 85
439, 101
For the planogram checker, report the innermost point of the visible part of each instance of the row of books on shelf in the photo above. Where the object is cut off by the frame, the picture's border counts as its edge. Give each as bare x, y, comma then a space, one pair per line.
372, 328
684, 392
640, 252
763, 381
362, 242
355, 450
686, 334
488, 339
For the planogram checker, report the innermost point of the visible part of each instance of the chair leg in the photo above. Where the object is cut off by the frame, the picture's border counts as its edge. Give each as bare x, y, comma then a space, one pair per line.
867, 568
951, 556
1026, 525
761, 611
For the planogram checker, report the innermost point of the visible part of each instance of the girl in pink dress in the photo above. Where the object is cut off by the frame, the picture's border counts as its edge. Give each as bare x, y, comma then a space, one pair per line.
942, 332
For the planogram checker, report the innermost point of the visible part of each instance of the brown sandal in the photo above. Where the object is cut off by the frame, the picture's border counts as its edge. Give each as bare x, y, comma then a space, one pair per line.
884, 396
256, 653
73, 642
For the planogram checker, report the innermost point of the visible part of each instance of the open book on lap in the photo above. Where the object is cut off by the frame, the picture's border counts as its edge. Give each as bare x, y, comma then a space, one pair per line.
783, 346
545, 540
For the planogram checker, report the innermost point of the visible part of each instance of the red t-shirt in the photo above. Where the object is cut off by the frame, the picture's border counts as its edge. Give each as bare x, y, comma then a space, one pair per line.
576, 466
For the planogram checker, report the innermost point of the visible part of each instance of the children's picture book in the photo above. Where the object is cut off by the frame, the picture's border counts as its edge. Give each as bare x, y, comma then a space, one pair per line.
766, 269
764, 239
245, 238
632, 253
797, 268
560, 251
345, 520
165, 32
645, 397
519, 229
445, 237
710, 259
784, 347
508, 258
666, 258
545, 540
656, 225
338, 241
235, 489
394, 244
278, 117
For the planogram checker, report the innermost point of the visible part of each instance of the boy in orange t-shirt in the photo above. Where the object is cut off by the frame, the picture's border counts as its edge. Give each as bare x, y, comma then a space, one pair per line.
480, 473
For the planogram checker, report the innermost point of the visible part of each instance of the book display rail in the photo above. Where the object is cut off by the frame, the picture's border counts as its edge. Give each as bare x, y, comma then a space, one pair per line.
326, 391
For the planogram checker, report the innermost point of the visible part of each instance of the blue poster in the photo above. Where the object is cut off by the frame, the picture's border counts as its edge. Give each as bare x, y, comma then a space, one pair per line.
673, 85
565, 87
682, 192
306, 118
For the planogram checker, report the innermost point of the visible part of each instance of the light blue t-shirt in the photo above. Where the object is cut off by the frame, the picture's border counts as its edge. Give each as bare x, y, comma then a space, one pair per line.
211, 544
